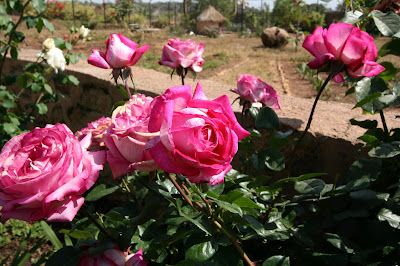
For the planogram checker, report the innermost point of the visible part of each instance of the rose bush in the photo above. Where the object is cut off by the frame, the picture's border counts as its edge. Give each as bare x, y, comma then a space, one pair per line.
198, 137
113, 257
127, 136
44, 173
187, 54
345, 43
120, 53
254, 90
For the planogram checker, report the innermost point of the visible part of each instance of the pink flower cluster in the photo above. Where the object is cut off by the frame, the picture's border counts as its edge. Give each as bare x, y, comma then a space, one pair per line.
347, 44
45, 171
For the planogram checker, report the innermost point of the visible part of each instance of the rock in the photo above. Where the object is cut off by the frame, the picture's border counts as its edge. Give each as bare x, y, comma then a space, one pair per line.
274, 37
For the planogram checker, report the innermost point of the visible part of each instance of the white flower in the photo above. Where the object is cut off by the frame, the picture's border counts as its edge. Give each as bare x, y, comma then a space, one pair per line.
83, 32
48, 44
55, 59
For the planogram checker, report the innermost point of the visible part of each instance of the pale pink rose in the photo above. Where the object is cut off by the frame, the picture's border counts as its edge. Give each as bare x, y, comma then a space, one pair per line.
198, 137
254, 90
97, 129
113, 257
120, 53
44, 173
128, 135
346, 43
187, 54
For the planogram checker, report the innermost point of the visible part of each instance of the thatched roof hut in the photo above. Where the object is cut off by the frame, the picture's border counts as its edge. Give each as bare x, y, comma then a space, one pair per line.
209, 19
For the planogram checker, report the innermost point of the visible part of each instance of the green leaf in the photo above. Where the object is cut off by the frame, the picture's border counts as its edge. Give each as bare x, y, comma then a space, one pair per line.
277, 260
48, 25
267, 119
389, 72
42, 108
9, 104
272, 158
100, 191
256, 226
48, 88
51, 235
74, 58
246, 203
367, 91
353, 17
229, 207
392, 47
66, 256
310, 186
337, 242
116, 216
39, 25
73, 80
386, 150
200, 252
14, 52
39, 5
68, 46
387, 23
78, 234
31, 22
390, 217
10, 128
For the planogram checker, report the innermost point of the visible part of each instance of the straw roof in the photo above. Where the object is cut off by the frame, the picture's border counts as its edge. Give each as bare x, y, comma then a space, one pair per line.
211, 14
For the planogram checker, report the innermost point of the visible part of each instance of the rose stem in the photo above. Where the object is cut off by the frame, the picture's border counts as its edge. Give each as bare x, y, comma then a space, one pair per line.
183, 79
234, 242
335, 69
127, 89
385, 128
102, 229
180, 190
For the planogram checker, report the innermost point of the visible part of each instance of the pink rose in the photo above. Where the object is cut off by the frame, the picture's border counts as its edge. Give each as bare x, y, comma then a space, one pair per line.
198, 137
346, 43
254, 90
97, 129
113, 257
120, 53
128, 135
185, 54
44, 172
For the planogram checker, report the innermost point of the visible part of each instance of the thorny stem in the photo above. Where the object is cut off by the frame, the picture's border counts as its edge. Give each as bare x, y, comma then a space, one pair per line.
234, 242
336, 68
385, 128
96, 223
11, 36
180, 190
215, 222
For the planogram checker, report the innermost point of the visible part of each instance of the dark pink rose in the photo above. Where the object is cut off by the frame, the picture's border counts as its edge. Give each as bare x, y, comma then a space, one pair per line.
113, 257
44, 173
254, 90
346, 43
187, 54
120, 53
198, 137
128, 135
97, 129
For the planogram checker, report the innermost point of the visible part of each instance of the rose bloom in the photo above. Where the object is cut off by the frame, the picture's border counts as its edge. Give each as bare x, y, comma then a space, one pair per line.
44, 173
97, 130
120, 53
198, 137
186, 54
346, 43
128, 135
254, 90
83, 32
113, 257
